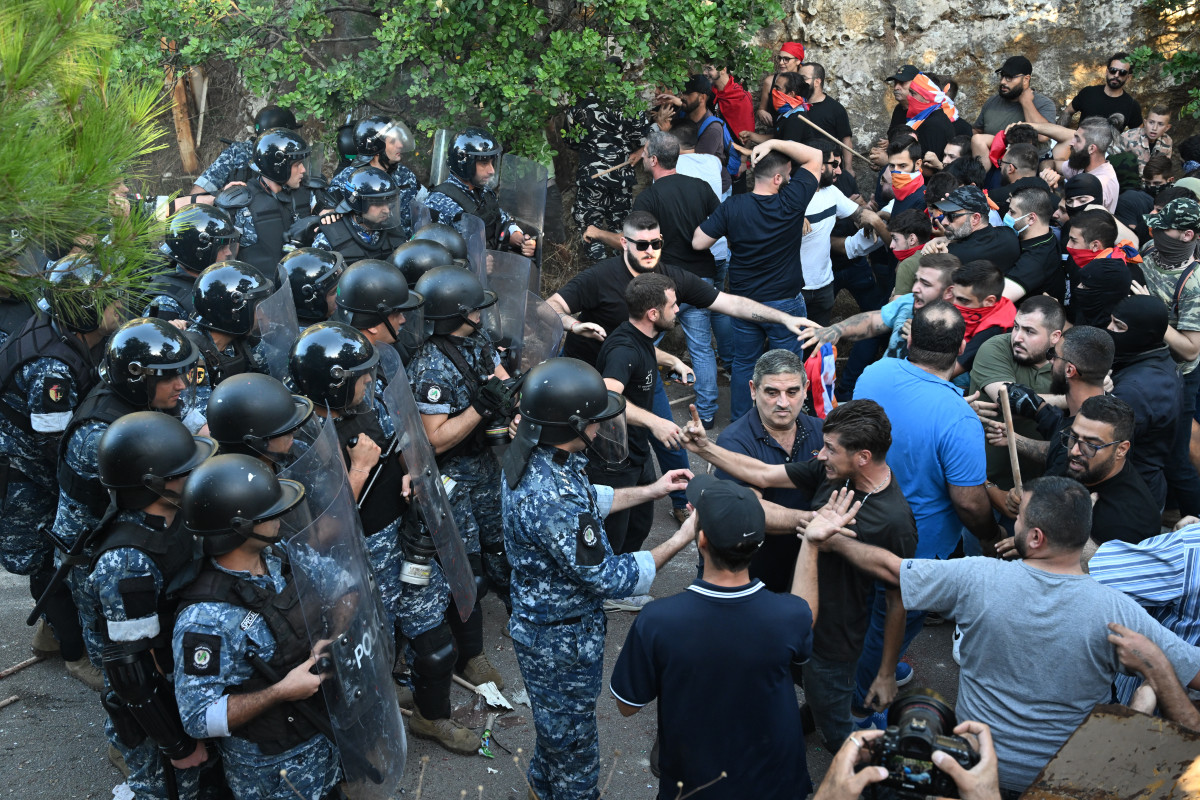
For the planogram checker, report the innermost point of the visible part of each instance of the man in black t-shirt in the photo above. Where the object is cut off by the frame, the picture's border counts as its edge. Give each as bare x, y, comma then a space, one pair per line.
857, 435
1107, 98
969, 235
1039, 269
629, 362
828, 114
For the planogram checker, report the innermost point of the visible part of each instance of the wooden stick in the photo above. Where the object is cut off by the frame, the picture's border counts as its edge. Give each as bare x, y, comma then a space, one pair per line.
15, 668
466, 684
624, 163
8, 701
1012, 438
830, 136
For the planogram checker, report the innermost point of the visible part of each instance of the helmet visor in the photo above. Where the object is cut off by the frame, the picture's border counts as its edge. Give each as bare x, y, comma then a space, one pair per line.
380, 212
610, 443
360, 394
285, 448
411, 334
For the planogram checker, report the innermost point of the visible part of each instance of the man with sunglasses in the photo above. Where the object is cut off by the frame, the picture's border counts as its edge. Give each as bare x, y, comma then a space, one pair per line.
1108, 97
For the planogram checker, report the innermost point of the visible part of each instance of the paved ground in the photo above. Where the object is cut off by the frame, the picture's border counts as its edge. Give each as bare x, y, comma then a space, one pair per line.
52, 743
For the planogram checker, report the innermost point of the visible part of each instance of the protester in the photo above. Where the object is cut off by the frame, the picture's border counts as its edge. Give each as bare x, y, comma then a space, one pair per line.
1107, 98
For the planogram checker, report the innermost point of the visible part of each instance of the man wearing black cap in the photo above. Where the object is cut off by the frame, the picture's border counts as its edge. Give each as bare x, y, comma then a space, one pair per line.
969, 235
899, 83
1014, 100
694, 103
695, 653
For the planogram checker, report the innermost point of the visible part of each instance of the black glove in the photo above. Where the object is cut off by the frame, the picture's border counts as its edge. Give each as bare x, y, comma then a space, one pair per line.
1025, 402
303, 231
492, 398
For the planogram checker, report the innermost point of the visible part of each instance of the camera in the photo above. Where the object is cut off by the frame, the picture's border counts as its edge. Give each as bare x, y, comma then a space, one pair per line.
919, 723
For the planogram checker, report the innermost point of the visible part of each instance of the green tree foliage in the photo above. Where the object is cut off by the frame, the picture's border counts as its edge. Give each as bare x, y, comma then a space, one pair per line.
1178, 56
70, 133
511, 64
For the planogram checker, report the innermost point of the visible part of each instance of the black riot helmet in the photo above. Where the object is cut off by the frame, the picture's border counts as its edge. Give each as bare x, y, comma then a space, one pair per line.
143, 352
276, 150
247, 410
197, 234
141, 451
226, 496
347, 144
417, 257
447, 237
368, 191
560, 399
313, 273
371, 137
71, 298
370, 291
328, 364
470, 147
275, 117
226, 295
451, 294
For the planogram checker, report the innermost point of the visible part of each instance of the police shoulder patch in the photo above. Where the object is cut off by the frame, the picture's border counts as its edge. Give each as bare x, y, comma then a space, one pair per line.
431, 393
201, 654
56, 390
589, 549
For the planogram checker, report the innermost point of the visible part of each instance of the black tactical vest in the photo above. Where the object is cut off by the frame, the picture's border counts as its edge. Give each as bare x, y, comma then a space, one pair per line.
384, 504
177, 285
101, 405
486, 207
347, 241
273, 214
41, 338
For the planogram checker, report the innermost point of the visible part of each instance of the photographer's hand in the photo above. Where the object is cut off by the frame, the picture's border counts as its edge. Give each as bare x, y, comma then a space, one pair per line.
981, 782
841, 781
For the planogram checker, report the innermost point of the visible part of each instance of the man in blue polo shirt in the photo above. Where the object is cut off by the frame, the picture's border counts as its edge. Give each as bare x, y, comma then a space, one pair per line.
764, 228
776, 431
693, 653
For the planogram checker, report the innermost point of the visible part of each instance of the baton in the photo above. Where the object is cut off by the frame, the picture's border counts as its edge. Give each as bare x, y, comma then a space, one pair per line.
624, 163
169, 777
1012, 438
375, 475
70, 560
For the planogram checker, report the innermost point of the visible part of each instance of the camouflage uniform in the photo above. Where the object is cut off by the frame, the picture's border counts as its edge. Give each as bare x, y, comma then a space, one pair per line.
563, 569
238, 156
103, 592
438, 388
228, 634
406, 183
609, 137
256, 361
163, 305
449, 211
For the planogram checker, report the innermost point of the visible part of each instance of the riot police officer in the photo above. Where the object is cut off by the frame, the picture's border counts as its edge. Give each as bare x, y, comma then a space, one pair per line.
46, 370
245, 672
197, 237
472, 162
313, 274
147, 365
278, 197
141, 560
456, 379
14, 313
225, 299
373, 297
371, 223
418, 256
233, 165
447, 237
563, 566
256, 415
380, 142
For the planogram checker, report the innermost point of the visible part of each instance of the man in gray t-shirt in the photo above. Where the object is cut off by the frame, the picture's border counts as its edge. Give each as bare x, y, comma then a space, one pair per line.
1035, 652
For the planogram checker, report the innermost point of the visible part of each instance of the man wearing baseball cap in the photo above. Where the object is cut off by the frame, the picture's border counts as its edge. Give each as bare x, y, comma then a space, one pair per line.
695, 102
700, 644
899, 83
969, 234
1014, 100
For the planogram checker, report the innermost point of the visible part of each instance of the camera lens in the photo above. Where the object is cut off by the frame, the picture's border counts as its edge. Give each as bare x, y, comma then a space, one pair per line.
921, 716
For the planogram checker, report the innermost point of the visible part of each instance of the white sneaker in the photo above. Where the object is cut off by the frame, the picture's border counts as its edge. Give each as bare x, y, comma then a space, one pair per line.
957, 649
635, 603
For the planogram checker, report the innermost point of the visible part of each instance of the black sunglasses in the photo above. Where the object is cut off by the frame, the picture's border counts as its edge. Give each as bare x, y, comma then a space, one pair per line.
1120, 72
646, 244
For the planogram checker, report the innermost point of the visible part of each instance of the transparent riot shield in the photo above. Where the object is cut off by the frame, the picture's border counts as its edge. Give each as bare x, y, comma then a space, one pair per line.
421, 215
439, 168
346, 621
275, 321
541, 335
506, 274
429, 491
522, 194
469, 225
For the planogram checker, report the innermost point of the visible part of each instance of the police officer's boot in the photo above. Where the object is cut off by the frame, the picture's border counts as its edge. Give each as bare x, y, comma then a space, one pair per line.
473, 665
432, 670
44, 643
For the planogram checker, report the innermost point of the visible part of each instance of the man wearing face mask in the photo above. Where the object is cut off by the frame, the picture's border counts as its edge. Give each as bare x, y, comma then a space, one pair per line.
1092, 237
1169, 268
1145, 377
1039, 268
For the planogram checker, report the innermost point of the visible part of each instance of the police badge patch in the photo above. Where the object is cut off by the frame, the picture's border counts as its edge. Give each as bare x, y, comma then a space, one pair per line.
56, 391
431, 393
201, 654
589, 550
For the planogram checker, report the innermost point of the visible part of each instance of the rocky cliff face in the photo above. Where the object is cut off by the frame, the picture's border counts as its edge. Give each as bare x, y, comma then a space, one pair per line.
862, 42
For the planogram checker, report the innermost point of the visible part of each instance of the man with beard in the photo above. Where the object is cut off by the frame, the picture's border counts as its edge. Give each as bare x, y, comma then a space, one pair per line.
695, 103
629, 363
1014, 100
1089, 145
1018, 170
1107, 98
1022, 356
969, 234
1039, 268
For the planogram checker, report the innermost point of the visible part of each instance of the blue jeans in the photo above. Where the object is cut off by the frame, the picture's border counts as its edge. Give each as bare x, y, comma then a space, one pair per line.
872, 652
667, 458
748, 346
698, 330
722, 326
828, 689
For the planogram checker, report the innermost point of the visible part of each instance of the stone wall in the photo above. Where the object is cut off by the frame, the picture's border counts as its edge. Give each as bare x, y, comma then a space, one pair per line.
862, 42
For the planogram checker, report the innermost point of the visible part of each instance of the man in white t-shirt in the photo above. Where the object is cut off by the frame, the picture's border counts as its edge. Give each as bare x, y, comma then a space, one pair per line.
828, 205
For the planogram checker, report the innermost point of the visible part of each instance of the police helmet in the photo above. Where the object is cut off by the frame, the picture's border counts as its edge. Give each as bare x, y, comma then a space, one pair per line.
371, 136
369, 291
469, 148
196, 235
72, 297
275, 117
276, 150
326, 363
347, 144
447, 237
248, 409
142, 352
367, 186
417, 257
451, 294
226, 496
312, 273
226, 295
141, 451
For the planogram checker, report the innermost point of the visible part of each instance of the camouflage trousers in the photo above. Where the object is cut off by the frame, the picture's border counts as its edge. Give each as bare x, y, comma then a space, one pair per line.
562, 666
89, 615
27, 507
386, 558
312, 768
604, 202
476, 507
145, 764
423, 608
